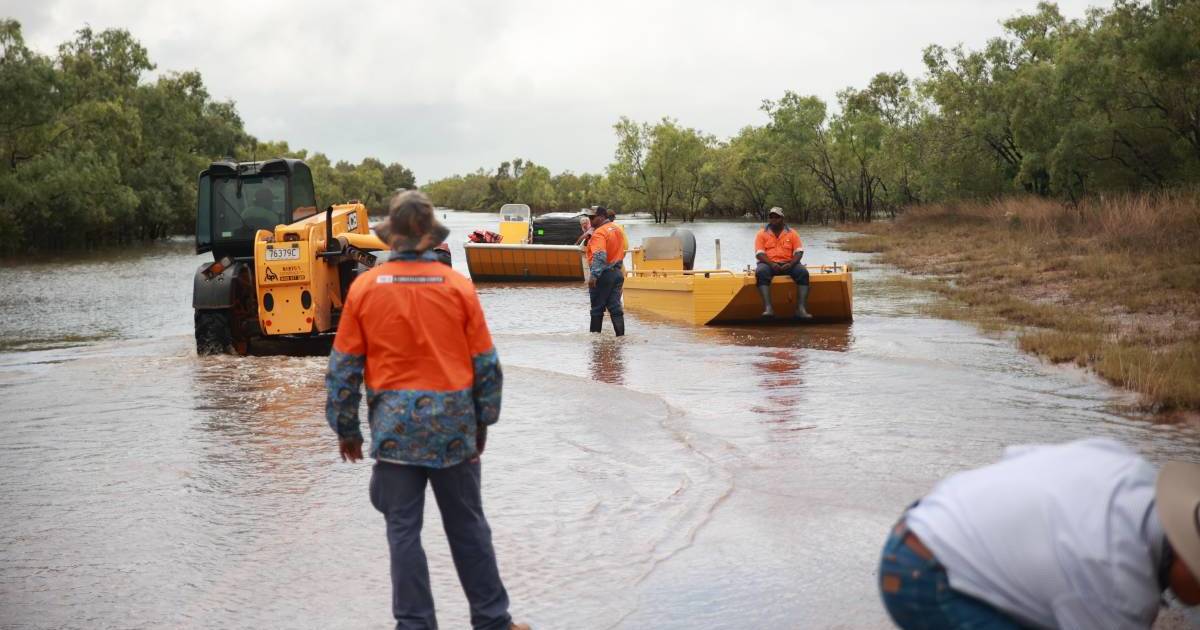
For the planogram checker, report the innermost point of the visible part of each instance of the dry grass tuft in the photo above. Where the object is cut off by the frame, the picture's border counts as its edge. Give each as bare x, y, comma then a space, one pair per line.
1112, 283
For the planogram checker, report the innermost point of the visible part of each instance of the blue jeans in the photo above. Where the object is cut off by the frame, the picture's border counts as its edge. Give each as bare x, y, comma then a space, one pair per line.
606, 295
763, 274
917, 593
399, 493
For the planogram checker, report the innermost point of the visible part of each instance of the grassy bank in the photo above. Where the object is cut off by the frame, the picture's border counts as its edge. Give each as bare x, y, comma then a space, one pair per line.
1111, 284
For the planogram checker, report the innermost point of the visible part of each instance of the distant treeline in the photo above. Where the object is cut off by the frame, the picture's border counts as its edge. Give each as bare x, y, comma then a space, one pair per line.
1055, 107
91, 154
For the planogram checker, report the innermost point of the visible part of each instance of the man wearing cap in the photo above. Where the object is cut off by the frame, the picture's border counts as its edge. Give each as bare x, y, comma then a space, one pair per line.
605, 253
413, 331
1078, 535
779, 249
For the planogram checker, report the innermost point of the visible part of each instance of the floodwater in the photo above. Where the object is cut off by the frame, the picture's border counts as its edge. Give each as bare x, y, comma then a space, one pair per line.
740, 477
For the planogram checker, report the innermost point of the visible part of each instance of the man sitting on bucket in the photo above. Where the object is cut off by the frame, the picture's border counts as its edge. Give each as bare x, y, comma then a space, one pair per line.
779, 249
1079, 535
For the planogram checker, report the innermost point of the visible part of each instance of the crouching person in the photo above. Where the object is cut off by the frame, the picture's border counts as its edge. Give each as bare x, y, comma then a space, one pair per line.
413, 330
1078, 535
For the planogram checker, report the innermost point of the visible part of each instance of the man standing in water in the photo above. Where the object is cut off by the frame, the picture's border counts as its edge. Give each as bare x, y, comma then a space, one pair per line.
605, 253
1078, 535
415, 330
779, 249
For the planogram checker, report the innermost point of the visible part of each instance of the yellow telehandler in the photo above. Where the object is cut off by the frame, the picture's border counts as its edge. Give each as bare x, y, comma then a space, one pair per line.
281, 268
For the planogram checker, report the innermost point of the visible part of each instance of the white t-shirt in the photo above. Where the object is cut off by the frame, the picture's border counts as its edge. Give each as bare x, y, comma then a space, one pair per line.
1059, 536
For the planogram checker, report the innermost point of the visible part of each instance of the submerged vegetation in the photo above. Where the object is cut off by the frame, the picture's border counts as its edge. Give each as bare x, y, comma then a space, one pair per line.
92, 152
1057, 108
1112, 283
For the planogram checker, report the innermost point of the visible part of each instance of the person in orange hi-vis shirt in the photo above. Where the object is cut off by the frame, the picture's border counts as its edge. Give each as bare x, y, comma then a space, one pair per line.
605, 253
413, 331
779, 249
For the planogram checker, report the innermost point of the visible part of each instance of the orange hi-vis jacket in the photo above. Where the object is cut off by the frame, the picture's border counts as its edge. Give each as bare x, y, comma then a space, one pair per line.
779, 249
413, 330
606, 249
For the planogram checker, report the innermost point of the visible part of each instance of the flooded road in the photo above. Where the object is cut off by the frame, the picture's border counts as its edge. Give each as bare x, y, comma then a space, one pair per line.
676, 478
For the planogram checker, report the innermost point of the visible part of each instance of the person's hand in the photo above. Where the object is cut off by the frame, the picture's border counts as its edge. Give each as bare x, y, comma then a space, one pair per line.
592, 282
350, 449
784, 267
480, 441
777, 268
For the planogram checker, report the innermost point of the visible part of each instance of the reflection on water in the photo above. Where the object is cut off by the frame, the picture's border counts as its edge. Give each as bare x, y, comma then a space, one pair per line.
607, 361
679, 477
831, 337
782, 388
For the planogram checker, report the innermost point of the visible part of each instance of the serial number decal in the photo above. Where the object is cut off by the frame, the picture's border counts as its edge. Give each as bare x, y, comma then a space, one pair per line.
409, 280
292, 253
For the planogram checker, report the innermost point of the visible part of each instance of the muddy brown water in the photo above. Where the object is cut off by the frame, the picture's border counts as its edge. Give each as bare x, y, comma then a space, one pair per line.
739, 477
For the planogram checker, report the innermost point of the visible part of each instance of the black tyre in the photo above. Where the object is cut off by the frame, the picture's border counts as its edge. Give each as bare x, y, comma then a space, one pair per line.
214, 334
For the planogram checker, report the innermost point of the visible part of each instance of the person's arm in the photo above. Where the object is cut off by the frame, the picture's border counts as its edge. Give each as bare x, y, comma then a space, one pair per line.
600, 258
343, 382
760, 248
485, 363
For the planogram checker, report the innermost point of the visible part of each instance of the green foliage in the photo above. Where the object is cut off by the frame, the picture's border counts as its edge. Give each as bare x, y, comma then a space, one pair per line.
91, 153
518, 181
1055, 107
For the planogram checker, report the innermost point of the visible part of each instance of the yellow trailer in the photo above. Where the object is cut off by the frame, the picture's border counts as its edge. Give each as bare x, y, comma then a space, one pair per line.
516, 259
659, 284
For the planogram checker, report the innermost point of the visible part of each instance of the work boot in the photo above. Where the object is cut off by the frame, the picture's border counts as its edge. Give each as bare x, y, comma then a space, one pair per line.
765, 291
597, 323
619, 324
801, 301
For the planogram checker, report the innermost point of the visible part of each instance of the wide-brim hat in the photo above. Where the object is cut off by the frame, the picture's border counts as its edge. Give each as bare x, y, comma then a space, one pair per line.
1177, 497
595, 211
775, 211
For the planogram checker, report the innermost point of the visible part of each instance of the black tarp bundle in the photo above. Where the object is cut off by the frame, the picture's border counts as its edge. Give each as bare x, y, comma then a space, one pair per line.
557, 228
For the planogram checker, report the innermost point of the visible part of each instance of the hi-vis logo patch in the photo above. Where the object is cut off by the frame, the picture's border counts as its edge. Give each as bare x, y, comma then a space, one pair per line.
409, 280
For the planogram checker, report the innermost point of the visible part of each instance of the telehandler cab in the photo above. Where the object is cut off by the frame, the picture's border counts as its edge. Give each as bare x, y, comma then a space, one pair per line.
280, 268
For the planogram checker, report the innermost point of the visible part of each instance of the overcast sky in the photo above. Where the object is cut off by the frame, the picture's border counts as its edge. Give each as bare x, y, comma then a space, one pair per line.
450, 86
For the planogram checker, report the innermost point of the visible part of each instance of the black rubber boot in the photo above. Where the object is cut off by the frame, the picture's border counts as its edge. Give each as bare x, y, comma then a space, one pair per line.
597, 323
801, 302
619, 324
765, 291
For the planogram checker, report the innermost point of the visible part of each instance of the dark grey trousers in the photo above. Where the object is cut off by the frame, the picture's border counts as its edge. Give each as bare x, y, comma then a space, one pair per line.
763, 274
606, 295
399, 493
